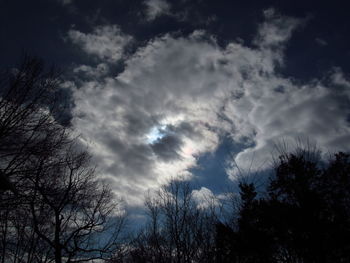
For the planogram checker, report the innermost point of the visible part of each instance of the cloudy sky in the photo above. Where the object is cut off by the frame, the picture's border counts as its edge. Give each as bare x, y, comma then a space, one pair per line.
190, 88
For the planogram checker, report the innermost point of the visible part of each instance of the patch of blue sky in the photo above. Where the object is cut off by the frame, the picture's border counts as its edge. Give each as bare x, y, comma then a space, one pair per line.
211, 169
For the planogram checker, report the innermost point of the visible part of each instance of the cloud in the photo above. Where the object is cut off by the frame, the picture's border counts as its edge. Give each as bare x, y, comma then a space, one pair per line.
193, 92
205, 198
106, 42
314, 111
164, 84
276, 29
156, 8
65, 2
321, 41
168, 147
93, 72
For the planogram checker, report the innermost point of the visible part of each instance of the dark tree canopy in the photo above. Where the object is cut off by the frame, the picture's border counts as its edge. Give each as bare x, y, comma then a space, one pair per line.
304, 217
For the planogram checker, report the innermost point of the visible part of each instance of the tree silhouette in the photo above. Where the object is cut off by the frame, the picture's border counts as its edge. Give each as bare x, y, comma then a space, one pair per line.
177, 230
67, 195
56, 209
53, 207
304, 217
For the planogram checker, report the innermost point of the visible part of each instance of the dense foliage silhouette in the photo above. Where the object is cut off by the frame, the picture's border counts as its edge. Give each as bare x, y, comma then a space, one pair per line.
304, 216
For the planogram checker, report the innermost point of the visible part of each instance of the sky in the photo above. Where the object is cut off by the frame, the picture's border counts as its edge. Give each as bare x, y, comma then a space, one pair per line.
192, 89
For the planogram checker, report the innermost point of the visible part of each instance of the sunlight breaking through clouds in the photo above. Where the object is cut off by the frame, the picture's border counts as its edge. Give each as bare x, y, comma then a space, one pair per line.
155, 134
178, 95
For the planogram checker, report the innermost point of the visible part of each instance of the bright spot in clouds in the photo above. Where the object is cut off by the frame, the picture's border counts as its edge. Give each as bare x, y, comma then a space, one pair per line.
155, 134
199, 92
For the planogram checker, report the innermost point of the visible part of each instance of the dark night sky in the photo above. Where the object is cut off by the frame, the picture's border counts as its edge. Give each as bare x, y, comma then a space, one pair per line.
190, 88
40, 27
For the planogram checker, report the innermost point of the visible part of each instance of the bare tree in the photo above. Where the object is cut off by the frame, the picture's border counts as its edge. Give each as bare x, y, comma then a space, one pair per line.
28, 103
28, 100
56, 209
178, 230
85, 217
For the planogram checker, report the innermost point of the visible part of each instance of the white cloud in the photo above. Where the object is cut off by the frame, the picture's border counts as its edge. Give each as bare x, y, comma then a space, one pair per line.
276, 29
164, 84
197, 91
106, 42
156, 8
205, 198
285, 111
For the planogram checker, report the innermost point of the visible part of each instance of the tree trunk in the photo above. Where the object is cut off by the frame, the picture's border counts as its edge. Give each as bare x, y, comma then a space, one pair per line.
58, 247
58, 254
4, 236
